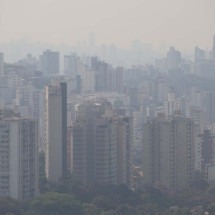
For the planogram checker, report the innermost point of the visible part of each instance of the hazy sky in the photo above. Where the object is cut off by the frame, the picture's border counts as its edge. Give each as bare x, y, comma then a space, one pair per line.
182, 23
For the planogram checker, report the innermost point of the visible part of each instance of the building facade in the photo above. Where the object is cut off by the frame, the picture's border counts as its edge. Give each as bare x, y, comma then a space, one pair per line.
1, 64
102, 143
18, 158
56, 131
50, 62
168, 152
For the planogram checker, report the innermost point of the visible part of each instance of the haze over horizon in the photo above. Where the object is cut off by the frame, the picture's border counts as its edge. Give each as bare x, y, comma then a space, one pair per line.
183, 24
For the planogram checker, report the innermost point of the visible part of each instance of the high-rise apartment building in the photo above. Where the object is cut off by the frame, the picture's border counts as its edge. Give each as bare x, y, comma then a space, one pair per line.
69, 150
18, 157
168, 152
94, 145
207, 148
71, 64
29, 102
199, 55
124, 149
50, 62
173, 59
205, 68
107, 78
209, 106
1, 65
172, 104
1, 77
160, 90
102, 145
56, 131
213, 48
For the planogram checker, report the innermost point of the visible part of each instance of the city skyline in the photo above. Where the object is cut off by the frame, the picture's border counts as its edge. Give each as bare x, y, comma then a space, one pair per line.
107, 107
176, 23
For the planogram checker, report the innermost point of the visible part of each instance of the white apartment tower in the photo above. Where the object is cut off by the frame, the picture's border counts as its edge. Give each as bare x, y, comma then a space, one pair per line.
30, 104
56, 131
18, 157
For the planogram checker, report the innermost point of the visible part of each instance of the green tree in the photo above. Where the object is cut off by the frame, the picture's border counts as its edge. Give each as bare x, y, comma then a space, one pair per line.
103, 202
211, 208
90, 209
111, 212
125, 210
185, 211
10, 206
56, 204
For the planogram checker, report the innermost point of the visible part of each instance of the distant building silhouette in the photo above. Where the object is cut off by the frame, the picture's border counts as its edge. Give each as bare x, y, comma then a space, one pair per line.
199, 55
1, 65
71, 64
50, 62
213, 48
173, 59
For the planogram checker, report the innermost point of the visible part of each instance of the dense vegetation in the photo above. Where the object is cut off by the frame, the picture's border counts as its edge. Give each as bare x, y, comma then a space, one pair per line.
68, 198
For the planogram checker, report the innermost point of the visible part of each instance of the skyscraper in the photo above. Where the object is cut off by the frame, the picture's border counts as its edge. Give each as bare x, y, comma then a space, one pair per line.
199, 55
71, 63
50, 62
102, 143
106, 77
168, 152
124, 149
1, 65
213, 48
173, 59
209, 106
18, 157
1, 77
29, 102
207, 149
56, 131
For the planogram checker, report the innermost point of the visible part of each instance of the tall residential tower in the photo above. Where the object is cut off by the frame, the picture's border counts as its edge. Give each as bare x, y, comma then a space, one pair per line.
18, 156
102, 145
50, 62
56, 131
1, 77
168, 152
